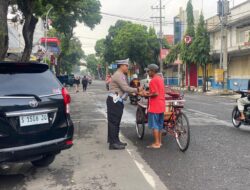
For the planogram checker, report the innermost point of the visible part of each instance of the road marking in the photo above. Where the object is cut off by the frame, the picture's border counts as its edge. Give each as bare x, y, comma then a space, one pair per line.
202, 113
75, 119
145, 169
149, 178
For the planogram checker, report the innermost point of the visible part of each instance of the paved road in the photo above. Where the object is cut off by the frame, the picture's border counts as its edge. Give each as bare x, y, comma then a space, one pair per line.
88, 165
218, 156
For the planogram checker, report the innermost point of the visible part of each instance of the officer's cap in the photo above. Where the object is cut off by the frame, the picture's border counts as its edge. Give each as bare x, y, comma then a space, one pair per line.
122, 62
153, 67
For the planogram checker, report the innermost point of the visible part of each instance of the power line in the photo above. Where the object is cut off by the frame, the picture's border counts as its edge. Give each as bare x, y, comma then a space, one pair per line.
87, 38
145, 20
126, 17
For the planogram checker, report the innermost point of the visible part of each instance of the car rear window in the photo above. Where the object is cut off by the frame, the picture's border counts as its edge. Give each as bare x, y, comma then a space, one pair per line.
38, 80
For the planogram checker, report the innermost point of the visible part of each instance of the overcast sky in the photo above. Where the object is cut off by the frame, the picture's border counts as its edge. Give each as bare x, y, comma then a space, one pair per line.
140, 9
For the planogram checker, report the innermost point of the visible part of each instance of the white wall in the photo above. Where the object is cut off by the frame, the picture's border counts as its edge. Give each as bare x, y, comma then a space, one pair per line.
239, 17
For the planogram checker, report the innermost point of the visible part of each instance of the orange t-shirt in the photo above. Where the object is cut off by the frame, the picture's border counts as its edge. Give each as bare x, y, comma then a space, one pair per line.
157, 103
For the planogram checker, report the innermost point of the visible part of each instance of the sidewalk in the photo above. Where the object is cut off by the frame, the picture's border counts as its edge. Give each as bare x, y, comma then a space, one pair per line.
211, 92
102, 168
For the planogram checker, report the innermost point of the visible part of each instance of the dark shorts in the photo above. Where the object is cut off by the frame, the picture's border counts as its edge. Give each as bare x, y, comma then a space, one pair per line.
156, 121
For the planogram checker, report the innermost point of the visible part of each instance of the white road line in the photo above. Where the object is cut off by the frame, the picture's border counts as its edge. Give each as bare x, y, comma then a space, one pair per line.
207, 104
75, 119
149, 178
202, 113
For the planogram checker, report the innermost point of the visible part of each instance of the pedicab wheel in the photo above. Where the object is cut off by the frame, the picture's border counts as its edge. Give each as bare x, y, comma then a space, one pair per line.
235, 117
140, 122
182, 132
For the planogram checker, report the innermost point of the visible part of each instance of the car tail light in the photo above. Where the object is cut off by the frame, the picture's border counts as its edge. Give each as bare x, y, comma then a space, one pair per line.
69, 142
66, 99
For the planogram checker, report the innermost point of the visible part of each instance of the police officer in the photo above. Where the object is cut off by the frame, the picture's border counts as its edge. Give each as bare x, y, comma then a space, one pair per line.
118, 92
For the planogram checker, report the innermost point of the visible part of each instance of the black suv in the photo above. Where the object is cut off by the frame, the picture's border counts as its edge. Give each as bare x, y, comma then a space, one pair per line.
35, 123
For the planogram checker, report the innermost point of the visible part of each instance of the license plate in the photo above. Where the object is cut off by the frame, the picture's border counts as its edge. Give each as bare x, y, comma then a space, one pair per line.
33, 120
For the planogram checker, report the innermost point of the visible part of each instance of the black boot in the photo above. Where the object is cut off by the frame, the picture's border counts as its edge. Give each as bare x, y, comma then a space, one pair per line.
116, 146
122, 143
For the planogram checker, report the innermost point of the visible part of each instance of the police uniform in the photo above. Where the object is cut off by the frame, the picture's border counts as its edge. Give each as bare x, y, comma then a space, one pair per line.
118, 92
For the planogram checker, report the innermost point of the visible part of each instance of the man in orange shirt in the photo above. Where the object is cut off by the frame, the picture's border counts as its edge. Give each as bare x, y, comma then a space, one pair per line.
157, 106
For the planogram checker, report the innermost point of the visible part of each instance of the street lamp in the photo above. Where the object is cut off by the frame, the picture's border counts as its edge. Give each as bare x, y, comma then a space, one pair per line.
46, 30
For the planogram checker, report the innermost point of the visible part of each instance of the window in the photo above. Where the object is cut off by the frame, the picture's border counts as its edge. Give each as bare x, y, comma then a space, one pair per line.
39, 83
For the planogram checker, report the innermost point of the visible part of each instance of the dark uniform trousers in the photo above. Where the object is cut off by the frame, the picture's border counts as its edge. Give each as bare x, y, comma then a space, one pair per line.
115, 111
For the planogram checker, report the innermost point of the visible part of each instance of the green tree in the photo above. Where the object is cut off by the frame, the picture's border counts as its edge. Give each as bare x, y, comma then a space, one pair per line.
154, 46
201, 48
100, 47
65, 15
32, 10
92, 64
173, 54
3, 29
186, 51
100, 51
109, 55
72, 56
133, 41
165, 44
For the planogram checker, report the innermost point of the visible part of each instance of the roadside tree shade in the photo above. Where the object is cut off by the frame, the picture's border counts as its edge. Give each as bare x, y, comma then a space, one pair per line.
134, 41
186, 51
65, 16
201, 48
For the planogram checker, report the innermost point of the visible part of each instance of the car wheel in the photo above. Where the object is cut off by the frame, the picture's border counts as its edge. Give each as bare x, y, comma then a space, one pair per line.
45, 161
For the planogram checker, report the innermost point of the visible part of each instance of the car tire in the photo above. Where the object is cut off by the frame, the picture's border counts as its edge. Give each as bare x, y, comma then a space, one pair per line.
45, 161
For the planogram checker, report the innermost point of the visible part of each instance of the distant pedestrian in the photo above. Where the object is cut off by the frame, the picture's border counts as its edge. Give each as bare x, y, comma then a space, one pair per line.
84, 83
157, 105
77, 83
118, 92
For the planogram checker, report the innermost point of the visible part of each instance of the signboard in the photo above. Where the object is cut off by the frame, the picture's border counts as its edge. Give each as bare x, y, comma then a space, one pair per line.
114, 66
188, 39
219, 75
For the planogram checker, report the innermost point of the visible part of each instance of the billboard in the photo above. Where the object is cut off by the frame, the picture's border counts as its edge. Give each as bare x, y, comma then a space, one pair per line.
219, 75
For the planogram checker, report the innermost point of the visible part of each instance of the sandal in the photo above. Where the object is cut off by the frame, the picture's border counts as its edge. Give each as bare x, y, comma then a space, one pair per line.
154, 146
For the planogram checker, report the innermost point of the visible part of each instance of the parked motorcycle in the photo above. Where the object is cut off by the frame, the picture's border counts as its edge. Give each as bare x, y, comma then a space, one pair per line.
236, 113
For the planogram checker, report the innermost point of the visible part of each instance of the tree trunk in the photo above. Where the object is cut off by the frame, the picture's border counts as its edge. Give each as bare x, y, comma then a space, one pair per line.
204, 74
4, 40
59, 64
28, 32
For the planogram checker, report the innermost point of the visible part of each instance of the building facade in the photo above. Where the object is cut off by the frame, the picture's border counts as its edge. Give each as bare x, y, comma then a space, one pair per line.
176, 72
238, 45
16, 41
180, 24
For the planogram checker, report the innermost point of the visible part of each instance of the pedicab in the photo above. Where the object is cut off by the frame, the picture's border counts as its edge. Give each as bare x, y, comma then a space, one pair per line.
176, 122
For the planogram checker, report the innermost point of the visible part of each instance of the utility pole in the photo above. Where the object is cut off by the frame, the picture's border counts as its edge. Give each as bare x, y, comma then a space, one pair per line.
223, 11
46, 33
161, 32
